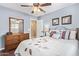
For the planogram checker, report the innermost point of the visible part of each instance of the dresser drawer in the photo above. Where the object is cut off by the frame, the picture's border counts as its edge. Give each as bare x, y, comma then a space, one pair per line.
24, 37
15, 36
11, 37
11, 47
13, 41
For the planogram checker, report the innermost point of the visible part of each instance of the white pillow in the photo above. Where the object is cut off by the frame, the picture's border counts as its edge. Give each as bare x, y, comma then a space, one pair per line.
72, 35
67, 34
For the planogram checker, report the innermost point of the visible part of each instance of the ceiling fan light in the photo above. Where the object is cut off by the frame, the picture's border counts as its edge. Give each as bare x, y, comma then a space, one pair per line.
35, 9
38, 10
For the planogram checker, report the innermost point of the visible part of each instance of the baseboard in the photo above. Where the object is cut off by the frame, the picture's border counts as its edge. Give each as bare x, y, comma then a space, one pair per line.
1, 49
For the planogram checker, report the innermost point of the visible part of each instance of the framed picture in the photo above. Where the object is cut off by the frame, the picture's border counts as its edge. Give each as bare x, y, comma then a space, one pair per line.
66, 19
55, 21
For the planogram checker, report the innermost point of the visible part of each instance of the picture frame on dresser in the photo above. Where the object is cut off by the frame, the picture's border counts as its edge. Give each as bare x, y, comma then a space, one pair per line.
66, 20
55, 21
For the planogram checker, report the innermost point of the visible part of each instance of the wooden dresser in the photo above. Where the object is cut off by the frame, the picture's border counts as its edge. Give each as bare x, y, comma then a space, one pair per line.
12, 41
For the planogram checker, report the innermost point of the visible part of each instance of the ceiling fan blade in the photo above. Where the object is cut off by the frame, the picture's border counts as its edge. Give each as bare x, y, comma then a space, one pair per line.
46, 4
42, 10
26, 5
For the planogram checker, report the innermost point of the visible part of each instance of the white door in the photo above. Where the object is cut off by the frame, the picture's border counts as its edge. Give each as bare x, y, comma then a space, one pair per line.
39, 28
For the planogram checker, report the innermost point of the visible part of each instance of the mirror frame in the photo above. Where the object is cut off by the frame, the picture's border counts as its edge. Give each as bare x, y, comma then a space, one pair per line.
16, 19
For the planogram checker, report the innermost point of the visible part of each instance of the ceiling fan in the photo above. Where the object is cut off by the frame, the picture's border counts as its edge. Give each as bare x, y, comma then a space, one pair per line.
37, 6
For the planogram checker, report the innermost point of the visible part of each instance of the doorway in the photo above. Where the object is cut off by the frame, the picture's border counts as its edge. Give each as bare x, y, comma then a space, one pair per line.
33, 28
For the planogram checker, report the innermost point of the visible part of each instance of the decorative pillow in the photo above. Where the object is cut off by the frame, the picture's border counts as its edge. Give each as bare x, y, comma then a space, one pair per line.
67, 34
63, 35
72, 35
52, 32
55, 34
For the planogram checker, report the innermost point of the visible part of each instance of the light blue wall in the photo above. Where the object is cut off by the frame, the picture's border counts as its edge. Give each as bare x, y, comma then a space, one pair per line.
5, 13
70, 10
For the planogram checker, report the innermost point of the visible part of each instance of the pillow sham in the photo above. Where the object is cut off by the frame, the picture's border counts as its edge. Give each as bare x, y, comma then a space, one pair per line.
67, 34
55, 34
63, 34
59, 34
72, 35
52, 33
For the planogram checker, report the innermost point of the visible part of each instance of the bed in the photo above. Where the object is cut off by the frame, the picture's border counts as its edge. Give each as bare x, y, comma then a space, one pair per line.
48, 46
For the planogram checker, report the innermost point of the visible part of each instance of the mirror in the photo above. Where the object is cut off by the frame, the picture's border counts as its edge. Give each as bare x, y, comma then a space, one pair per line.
16, 25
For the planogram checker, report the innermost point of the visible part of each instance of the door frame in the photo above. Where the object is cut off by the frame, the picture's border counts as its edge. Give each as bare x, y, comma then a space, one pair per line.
30, 25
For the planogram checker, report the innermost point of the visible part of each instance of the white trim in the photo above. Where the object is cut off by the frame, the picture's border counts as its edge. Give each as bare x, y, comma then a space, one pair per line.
2, 49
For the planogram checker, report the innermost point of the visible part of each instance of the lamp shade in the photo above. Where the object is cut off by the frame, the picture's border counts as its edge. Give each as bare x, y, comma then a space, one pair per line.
46, 28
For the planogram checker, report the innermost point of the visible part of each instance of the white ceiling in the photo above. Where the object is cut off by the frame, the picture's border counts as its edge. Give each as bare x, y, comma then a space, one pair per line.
27, 10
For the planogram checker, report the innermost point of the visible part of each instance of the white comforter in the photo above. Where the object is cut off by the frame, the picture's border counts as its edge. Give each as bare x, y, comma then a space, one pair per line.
47, 46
